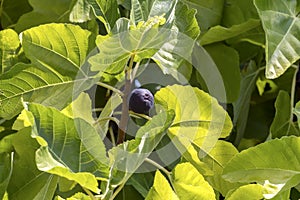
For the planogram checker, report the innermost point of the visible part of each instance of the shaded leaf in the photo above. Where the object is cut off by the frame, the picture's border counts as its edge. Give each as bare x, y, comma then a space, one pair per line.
281, 24
45, 12
26, 178
219, 33
227, 61
209, 13
9, 16
6, 168
283, 124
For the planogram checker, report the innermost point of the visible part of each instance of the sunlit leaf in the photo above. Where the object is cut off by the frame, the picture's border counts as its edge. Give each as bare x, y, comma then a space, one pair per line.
199, 119
161, 189
246, 192
281, 24
217, 159
59, 73
188, 183
276, 161
9, 49
70, 148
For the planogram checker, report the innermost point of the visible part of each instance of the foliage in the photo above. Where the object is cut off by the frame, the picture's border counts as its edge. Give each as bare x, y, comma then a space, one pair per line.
224, 76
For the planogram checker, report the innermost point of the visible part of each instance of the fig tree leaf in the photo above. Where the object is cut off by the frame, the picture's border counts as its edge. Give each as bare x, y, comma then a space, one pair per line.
275, 161
238, 12
66, 46
242, 105
70, 148
127, 157
142, 41
227, 61
179, 48
283, 124
220, 33
45, 12
106, 11
142, 182
209, 13
161, 189
199, 119
9, 49
60, 73
9, 16
191, 185
103, 122
26, 178
81, 107
281, 24
216, 160
6, 167
246, 192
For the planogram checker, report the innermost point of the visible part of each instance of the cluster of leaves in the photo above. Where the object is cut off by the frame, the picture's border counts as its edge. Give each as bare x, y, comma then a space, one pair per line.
68, 66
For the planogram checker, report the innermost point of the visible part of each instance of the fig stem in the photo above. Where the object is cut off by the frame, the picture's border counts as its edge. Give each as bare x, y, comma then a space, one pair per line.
125, 113
109, 87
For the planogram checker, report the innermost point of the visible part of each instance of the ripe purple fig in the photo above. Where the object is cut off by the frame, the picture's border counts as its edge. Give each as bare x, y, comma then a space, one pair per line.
141, 101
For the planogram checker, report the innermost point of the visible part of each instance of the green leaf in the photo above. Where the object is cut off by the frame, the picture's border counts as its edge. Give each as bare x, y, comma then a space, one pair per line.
199, 119
45, 162
227, 61
59, 73
246, 192
217, 159
106, 11
180, 45
126, 158
161, 189
191, 185
9, 49
41, 14
209, 13
237, 12
9, 16
81, 107
69, 147
283, 124
142, 41
275, 161
219, 33
26, 178
6, 167
242, 105
142, 182
65, 45
281, 24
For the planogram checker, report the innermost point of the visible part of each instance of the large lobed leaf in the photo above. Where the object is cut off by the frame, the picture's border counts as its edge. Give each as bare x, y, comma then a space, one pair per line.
199, 119
275, 161
281, 23
70, 148
187, 183
57, 52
